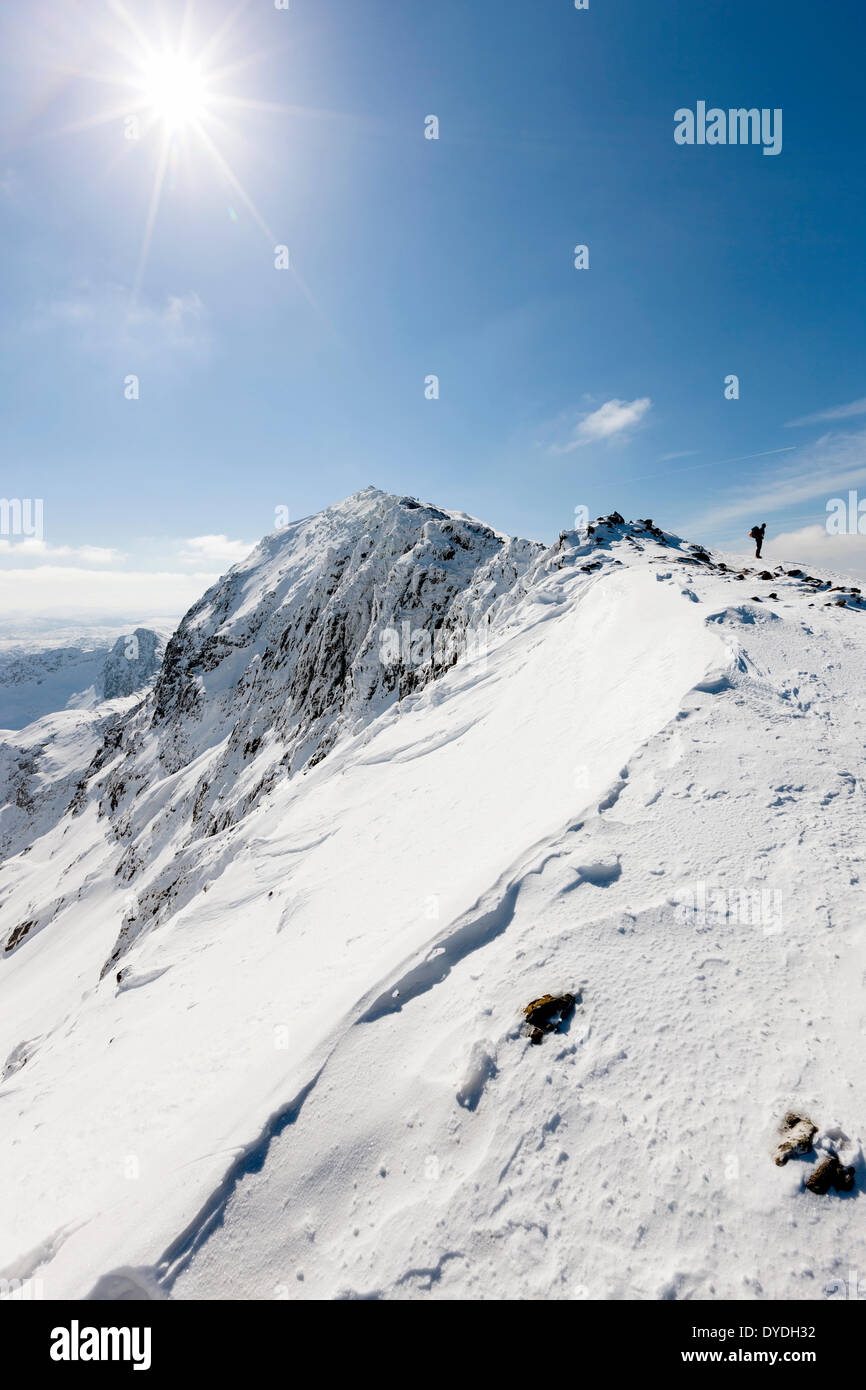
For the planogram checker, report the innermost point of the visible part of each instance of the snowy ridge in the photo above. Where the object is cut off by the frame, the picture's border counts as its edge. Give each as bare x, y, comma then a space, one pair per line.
309, 1077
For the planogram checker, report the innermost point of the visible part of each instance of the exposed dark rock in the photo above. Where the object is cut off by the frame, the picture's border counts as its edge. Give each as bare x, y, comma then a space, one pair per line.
797, 1133
830, 1173
547, 1014
18, 934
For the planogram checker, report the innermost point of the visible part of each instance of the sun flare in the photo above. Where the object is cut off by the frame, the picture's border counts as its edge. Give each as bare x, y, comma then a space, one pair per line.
175, 90
177, 108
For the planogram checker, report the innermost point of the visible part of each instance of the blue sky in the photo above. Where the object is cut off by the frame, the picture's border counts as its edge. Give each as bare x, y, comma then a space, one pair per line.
558, 387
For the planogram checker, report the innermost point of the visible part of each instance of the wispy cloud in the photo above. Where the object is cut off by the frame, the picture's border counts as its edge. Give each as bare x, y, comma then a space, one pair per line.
835, 412
678, 454
829, 466
612, 420
31, 548
716, 463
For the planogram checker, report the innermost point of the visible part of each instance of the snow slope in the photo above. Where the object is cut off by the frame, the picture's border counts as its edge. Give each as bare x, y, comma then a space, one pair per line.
273, 1048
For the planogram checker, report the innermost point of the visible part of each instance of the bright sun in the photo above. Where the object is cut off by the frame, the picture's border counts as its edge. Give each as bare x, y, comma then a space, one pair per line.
175, 90
175, 108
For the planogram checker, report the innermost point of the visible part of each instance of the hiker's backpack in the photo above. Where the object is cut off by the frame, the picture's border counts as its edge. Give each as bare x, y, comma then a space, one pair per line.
753, 534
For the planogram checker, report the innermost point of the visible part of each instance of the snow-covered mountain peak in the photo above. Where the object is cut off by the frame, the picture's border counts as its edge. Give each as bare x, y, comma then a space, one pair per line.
289, 646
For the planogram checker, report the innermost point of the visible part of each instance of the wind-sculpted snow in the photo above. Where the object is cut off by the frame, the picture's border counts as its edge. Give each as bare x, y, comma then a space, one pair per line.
262, 985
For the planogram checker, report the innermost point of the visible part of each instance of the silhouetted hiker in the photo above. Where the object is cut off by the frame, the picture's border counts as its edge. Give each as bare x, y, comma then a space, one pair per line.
757, 535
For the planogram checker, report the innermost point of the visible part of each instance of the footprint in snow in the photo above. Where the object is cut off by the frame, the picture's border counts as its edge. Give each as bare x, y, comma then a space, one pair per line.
481, 1069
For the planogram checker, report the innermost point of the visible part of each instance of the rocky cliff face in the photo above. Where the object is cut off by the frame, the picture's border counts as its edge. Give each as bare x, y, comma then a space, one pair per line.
131, 663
